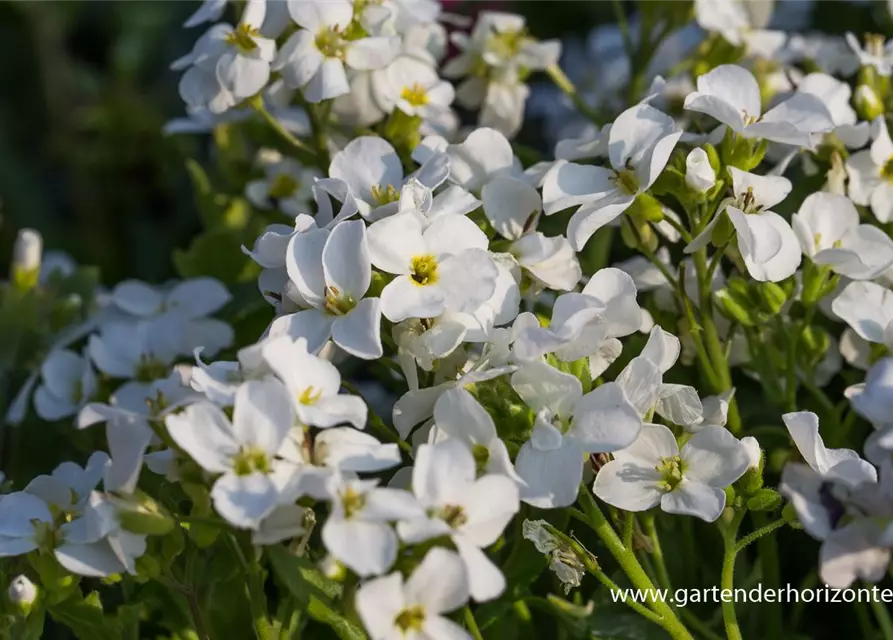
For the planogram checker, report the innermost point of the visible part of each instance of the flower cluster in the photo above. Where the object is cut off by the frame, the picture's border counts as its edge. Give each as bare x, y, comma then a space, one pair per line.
453, 343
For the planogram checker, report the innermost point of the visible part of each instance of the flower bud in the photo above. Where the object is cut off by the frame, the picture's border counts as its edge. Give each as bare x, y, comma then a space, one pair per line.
774, 297
26, 255
868, 105
699, 175
764, 500
139, 513
332, 569
22, 594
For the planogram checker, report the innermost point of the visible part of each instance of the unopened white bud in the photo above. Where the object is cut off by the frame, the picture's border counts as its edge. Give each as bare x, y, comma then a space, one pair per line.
333, 569
22, 593
26, 254
699, 175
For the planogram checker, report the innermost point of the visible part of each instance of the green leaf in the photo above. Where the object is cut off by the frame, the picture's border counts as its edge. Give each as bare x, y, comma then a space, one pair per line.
301, 577
343, 628
216, 254
84, 617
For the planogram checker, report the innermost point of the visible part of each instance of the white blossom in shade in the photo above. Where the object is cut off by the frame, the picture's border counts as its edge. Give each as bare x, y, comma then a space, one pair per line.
444, 267
472, 511
484, 155
358, 531
331, 271
836, 96
193, 298
581, 322
69, 486
653, 471
314, 57
141, 350
338, 450
640, 143
769, 246
220, 381
734, 19
868, 309
803, 426
826, 494
873, 399
312, 385
568, 425
67, 383
511, 205
287, 186
871, 173
459, 416
25, 521
829, 232
550, 260
731, 94
370, 170
243, 450
876, 53
285, 522
208, 11
699, 175
392, 608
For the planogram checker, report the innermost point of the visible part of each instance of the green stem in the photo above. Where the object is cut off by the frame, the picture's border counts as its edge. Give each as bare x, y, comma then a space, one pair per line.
257, 103
628, 523
635, 606
883, 619
567, 87
663, 575
471, 624
627, 560
623, 23
727, 580
759, 533
768, 552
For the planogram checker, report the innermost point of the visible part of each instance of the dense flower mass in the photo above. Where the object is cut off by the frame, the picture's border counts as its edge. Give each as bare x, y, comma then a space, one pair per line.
454, 372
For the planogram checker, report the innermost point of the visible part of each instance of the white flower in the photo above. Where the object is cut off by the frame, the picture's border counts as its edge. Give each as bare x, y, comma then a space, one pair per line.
873, 399
313, 58
371, 171
392, 609
242, 450
868, 308
829, 232
287, 186
871, 173
511, 205
804, 429
459, 416
767, 243
581, 322
640, 143
875, 54
68, 382
836, 97
141, 350
731, 94
699, 175
472, 511
313, 384
551, 261
194, 298
733, 18
484, 155
445, 267
654, 471
568, 425
357, 532
331, 271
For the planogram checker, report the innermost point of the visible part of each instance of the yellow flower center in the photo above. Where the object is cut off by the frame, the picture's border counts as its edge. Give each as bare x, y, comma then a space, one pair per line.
416, 95
410, 619
330, 42
283, 186
627, 181
508, 44
453, 515
385, 195
310, 395
887, 170
671, 470
249, 460
337, 303
424, 270
242, 38
352, 501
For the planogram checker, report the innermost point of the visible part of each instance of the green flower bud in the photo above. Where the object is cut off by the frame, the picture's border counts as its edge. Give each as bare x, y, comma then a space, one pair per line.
773, 296
140, 513
868, 105
733, 309
764, 500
